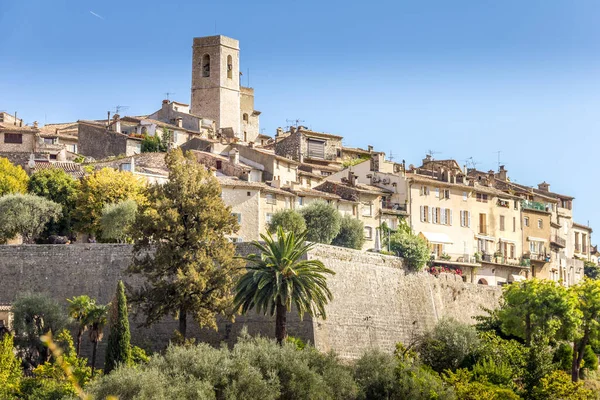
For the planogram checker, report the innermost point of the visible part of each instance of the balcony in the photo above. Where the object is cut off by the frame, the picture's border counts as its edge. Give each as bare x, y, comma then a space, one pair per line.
533, 205
314, 155
540, 257
388, 205
558, 241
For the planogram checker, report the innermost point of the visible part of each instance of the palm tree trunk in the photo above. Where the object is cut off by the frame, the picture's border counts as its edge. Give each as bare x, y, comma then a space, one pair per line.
182, 322
94, 357
79, 335
280, 323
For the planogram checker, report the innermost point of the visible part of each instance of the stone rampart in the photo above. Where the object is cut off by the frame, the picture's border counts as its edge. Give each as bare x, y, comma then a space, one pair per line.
376, 302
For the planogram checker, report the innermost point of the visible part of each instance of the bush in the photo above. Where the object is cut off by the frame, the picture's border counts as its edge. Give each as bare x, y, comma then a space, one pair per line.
558, 385
590, 359
289, 220
467, 388
411, 248
25, 215
448, 346
351, 234
509, 352
116, 220
10, 368
322, 222
563, 357
13, 179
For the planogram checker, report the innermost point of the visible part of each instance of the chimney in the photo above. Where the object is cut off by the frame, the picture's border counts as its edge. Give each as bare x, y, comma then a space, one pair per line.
251, 145
278, 132
276, 183
502, 174
427, 159
544, 186
117, 123
15, 123
35, 124
370, 148
133, 165
20, 123
351, 178
165, 102
491, 177
292, 129
179, 121
234, 156
108, 119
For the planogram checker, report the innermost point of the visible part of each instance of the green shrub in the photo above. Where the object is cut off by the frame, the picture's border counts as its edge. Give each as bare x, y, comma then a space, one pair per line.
563, 357
590, 359
116, 220
467, 388
322, 221
558, 385
351, 234
411, 248
289, 220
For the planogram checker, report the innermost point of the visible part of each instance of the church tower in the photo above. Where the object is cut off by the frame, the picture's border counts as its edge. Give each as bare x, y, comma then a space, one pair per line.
216, 81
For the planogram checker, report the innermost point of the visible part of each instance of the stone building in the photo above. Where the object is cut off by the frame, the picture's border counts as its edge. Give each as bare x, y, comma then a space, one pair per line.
99, 141
216, 90
64, 133
178, 114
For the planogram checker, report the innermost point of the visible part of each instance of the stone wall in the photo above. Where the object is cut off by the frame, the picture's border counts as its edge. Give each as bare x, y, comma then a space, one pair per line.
376, 303
99, 143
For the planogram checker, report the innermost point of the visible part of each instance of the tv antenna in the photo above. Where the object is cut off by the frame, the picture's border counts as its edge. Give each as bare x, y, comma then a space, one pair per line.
391, 156
118, 109
499, 162
472, 163
167, 94
431, 153
295, 122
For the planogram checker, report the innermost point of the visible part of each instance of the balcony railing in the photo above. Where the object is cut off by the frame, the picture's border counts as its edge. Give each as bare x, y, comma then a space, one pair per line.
319, 156
388, 205
533, 205
557, 240
540, 257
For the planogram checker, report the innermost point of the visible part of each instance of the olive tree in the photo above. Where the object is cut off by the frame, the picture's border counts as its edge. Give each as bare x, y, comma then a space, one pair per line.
26, 215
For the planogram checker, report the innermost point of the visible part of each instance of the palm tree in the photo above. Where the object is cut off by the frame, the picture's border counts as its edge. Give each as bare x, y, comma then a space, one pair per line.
79, 306
96, 320
278, 277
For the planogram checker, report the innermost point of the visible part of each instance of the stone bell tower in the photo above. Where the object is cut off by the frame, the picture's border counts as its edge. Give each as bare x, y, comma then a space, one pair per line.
216, 81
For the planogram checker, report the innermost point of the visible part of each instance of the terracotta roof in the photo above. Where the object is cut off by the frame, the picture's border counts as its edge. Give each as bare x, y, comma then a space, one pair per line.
312, 192
4, 126
310, 174
482, 189
71, 168
230, 181
358, 150
150, 163
268, 152
314, 133
323, 167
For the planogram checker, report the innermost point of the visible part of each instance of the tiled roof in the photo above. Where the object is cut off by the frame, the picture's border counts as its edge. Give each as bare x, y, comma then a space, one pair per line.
71, 168
315, 133
313, 193
151, 163
482, 189
230, 181
4, 126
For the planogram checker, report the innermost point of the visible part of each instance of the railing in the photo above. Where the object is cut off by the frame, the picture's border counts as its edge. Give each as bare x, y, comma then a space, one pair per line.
533, 205
540, 257
388, 205
319, 156
559, 241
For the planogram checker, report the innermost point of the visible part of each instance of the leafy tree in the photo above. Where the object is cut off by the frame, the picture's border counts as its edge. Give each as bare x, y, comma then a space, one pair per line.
278, 278
558, 385
588, 303
494, 348
535, 307
469, 387
590, 359
96, 321
539, 362
117, 219
448, 345
193, 267
79, 308
13, 179
563, 357
351, 234
119, 338
591, 270
411, 248
106, 186
25, 215
60, 187
35, 315
289, 220
322, 221
155, 143
10, 367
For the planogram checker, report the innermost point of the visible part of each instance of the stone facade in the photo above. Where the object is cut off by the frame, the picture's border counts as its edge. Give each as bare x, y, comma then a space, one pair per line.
249, 116
96, 141
376, 303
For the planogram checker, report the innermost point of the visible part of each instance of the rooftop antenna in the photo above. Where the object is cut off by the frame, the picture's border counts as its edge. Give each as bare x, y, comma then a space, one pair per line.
119, 108
472, 163
168, 94
499, 162
248, 77
431, 153
295, 122
391, 156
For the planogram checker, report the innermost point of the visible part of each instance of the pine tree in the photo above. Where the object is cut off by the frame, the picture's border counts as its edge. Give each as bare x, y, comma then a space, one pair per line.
118, 350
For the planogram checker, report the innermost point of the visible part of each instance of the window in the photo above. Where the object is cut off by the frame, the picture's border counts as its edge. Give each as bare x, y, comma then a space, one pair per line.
316, 148
424, 190
367, 210
368, 232
277, 164
434, 214
238, 216
230, 69
483, 224
512, 251
325, 173
245, 117
125, 167
540, 224
465, 219
300, 201
437, 192
16, 138
248, 194
446, 194
514, 224
426, 214
219, 164
271, 199
288, 203
526, 221
502, 222
532, 248
53, 156
72, 148
49, 140
482, 198
206, 65
269, 218
465, 196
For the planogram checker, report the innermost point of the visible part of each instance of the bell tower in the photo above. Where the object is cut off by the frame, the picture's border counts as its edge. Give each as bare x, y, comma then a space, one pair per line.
216, 81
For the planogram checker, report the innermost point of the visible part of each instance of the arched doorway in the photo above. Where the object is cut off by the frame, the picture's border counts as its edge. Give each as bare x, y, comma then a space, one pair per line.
482, 281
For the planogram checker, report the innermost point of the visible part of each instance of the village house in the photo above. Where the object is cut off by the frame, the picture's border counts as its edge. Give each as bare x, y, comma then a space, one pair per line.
178, 114
65, 133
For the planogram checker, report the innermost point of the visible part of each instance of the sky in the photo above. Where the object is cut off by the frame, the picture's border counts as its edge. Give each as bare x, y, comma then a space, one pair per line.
462, 79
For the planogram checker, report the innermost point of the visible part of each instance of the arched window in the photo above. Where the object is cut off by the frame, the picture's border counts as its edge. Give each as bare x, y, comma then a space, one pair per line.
144, 130
245, 117
229, 67
206, 65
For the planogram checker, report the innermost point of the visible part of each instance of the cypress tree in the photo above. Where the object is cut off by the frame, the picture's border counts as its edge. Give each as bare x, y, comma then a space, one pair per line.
118, 350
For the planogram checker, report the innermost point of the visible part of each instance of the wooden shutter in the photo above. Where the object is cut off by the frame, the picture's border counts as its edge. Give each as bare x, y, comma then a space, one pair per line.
449, 216
316, 148
469, 220
428, 214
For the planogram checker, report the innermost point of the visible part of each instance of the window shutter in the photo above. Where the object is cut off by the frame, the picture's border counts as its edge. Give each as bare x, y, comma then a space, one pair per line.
428, 214
449, 212
437, 192
469, 220
461, 218
422, 214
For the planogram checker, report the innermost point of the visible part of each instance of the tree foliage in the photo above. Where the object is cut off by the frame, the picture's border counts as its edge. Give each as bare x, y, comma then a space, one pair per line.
106, 186
35, 315
117, 219
351, 234
26, 215
97, 316
558, 385
591, 270
155, 143
322, 221
10, 367
118, 350
411, 248
13, 179
60, 187
587, 295
79, 308
289, 220
193, 267
277, 278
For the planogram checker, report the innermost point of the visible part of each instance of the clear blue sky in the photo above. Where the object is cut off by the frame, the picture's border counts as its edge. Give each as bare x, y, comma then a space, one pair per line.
463, 78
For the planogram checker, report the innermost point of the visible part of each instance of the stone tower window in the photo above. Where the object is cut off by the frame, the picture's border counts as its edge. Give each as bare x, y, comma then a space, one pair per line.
206, 65
229, 67
245, 117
